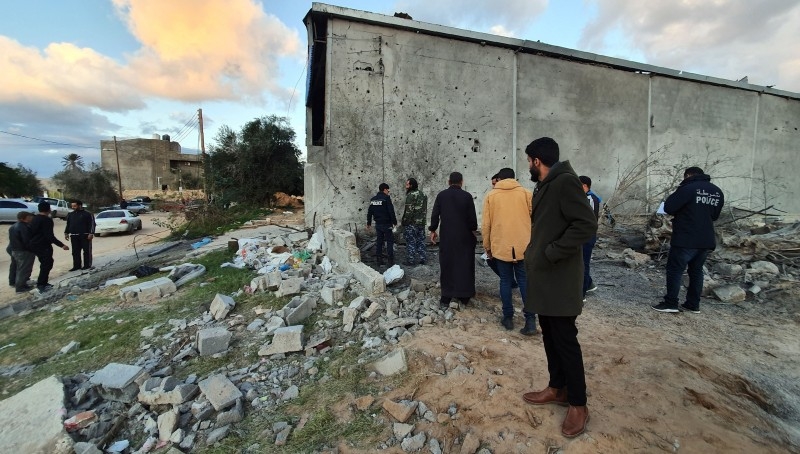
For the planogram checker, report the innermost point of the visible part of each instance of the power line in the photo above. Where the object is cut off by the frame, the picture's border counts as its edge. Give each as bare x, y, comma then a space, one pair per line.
49, 141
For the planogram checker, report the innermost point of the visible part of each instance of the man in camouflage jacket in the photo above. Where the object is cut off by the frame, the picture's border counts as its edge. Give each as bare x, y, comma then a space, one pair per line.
414, 223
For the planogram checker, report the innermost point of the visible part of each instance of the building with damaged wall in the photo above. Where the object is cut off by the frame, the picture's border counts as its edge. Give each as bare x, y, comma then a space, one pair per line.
391, 98
148, 164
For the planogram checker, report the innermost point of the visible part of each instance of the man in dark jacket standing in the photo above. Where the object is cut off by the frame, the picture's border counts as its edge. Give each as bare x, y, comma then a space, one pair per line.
695, 205
80, 232
561, 222
19, 246
380, 207
456, 210
42, 241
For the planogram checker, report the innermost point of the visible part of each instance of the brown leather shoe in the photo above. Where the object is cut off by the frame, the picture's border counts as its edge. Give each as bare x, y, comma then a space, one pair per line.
547, 396
575, 422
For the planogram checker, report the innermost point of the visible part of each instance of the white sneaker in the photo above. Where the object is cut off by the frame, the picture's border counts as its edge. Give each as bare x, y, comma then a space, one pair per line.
594, 287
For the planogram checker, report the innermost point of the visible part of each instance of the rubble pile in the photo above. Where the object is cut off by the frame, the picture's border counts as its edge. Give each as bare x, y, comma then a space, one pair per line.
746, 264
146, 401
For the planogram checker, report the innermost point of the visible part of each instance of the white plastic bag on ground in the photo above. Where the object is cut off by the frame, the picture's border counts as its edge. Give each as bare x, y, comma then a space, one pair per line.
393, 274
326, 264
316, 242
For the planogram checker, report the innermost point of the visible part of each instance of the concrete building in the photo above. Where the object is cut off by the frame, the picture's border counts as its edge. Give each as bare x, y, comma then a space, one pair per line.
148, 164
391, 98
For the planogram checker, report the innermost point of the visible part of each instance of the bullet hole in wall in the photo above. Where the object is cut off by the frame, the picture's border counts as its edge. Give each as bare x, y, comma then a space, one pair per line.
476, 146
367, 91
352, 187
413, 131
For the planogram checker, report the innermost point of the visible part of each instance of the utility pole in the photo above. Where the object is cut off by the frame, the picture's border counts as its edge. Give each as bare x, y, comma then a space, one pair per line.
119, 174
203, 152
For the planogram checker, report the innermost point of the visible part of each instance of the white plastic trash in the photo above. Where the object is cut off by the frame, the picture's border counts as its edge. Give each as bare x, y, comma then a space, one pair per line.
393, 274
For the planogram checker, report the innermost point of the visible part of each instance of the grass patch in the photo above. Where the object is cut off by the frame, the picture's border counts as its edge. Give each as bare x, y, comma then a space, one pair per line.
210, 220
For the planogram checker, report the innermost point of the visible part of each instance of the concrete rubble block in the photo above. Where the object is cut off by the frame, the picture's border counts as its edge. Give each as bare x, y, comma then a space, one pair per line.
274, 323
371, 280
634, 259
764, 267
220, 391
401, 430
259, 283
348, 319
285, 340
119, 376
297, 237
359, 303
730, 294
221, 306
415, 443
175, 396
300, 311
373, 311
32, 420
213, 340
148, 291
418, 286
332, 295
470, 444
256, 324
167, 423
399, 410
217, 434
290, 286
232, 416
394, 323
341, 246
273, 279
392, 363
727, 269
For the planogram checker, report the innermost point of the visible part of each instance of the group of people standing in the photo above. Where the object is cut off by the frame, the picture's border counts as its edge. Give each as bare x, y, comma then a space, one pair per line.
541, 243
32, 238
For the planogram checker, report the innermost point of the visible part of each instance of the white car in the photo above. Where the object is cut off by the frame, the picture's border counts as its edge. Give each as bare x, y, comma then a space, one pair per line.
10, 207
111, 221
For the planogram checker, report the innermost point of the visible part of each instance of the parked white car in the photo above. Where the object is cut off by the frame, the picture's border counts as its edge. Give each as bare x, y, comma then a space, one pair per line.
10, 207
114, 221
59, 208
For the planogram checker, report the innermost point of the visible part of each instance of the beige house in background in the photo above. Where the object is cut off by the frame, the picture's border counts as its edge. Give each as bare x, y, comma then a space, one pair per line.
149, 164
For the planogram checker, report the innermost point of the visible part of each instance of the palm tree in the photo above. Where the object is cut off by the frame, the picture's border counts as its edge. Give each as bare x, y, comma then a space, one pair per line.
72, 161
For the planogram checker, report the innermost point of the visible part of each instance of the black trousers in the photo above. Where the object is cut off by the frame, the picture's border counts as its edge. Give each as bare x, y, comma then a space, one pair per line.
81, 243
564, 357
45, 257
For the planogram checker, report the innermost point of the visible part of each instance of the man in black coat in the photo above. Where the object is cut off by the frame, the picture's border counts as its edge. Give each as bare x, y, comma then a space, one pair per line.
19, 247
80, 231
381, 208
42, 241
456, 210
695, 205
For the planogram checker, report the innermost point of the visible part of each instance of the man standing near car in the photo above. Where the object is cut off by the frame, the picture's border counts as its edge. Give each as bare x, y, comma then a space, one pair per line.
19, 246
42, 241
80, 231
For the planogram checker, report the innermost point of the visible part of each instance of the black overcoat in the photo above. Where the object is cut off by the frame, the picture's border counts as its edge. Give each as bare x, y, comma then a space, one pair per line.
455, 209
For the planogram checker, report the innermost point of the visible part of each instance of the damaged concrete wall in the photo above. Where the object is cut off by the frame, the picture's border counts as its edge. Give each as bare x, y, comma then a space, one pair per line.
400, 103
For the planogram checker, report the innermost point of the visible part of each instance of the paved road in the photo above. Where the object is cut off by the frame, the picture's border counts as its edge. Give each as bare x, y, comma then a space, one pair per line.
106, 249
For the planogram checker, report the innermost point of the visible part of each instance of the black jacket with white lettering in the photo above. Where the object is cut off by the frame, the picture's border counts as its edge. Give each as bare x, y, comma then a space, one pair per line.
696, 205
381, 208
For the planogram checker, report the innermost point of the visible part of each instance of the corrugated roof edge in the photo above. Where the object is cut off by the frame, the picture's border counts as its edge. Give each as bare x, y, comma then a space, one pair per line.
527, 46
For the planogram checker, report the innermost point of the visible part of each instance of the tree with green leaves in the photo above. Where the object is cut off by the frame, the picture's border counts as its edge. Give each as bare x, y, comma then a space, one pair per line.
18, 181
251, 165
93, 187
72, 161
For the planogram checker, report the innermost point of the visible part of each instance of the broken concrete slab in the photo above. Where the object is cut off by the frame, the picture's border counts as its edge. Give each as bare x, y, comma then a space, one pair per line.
372, 280
300, 309
285, 340
727, 269
290, 286
165, 395
148, 291
213, 340
764, 267
332, 295
373, 311
401, 430
274, 323
392, 363
405, 321
730, 294
221, 306
167, 423
348, 319
32, 420
220, 391
118, 376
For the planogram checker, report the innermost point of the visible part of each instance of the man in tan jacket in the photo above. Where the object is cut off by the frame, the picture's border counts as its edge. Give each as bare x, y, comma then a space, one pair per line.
506, 230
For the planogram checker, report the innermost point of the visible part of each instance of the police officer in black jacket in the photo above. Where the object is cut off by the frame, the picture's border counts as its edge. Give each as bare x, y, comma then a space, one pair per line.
80, 232
695, 205
380, 207
19, 248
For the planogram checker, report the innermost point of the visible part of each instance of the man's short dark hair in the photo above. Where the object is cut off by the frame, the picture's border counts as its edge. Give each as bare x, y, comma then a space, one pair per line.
23, 214
545, 149
505, 173
455, 178
43, 207
691, 171
76, 201
383, 187
412, 182
586, 180
494, 177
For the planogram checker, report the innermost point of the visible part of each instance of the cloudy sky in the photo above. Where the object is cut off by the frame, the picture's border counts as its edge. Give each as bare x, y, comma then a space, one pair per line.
75, 73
